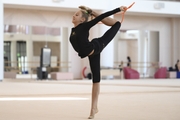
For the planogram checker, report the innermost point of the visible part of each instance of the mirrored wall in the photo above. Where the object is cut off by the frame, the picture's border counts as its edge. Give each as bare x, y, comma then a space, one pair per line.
142, 46
22, 47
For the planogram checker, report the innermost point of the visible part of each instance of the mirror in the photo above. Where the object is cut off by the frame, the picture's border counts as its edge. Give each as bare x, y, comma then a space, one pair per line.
22, 47
142, 46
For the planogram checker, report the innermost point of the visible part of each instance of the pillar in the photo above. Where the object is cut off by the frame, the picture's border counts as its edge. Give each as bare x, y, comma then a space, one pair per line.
64, 49
153, 49
29, 51
142, 56
1, 42
175, 41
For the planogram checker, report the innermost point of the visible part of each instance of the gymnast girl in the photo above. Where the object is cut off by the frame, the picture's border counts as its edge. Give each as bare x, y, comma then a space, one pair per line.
79, 39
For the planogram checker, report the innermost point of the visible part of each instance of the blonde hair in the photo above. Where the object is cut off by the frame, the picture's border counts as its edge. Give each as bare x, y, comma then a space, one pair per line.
86, 14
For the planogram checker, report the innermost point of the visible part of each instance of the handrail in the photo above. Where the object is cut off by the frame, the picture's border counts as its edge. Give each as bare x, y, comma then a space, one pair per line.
140, 64
36, 62
33, 65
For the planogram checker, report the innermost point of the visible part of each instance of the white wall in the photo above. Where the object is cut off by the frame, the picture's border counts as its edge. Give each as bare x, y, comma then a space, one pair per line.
40, 17
141, 6
1, 42
149, 6
63, 4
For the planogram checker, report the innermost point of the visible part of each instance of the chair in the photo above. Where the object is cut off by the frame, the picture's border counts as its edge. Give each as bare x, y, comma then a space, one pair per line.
161, 73
130, 73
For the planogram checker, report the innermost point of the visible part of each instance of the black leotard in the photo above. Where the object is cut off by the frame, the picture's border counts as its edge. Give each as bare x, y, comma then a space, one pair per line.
80, 34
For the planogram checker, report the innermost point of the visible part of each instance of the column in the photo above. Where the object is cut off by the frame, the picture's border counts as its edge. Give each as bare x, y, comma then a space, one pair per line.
153, 49
64, 49
29, 52
1, 42
142, 51
175, 41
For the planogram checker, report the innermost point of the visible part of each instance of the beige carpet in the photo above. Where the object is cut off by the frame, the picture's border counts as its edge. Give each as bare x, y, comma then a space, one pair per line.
70, 100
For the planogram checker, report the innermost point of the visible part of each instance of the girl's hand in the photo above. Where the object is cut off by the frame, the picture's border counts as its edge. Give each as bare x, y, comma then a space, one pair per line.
123, 8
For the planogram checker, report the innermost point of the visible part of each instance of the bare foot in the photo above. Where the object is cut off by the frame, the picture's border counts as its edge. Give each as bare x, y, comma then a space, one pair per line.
93, 112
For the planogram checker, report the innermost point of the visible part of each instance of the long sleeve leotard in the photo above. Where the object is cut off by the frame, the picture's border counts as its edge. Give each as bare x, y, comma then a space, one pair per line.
80, 34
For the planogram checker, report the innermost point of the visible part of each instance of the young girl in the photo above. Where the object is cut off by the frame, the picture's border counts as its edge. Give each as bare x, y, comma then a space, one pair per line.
92, 49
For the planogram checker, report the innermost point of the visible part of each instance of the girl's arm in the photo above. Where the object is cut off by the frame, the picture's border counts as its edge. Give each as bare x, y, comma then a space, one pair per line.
108, 20
101, 17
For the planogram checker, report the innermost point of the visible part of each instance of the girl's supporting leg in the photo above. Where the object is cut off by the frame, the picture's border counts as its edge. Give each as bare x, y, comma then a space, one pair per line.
95, 69
95, 95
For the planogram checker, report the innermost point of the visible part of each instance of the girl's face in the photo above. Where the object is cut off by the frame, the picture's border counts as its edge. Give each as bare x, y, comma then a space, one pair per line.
77, 18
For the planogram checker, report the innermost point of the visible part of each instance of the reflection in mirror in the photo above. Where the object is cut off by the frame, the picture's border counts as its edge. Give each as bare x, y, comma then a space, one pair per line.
22, 46
142, 46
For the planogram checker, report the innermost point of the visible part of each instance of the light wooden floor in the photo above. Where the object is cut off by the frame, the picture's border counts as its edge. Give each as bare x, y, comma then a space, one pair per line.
145, 99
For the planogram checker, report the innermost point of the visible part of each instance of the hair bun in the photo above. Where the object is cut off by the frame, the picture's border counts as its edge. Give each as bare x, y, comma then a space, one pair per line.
86, 9
89, 11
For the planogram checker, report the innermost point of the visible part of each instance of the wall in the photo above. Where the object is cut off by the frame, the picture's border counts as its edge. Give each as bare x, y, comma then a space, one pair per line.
141, 6
150, 7
63, 4
40, 18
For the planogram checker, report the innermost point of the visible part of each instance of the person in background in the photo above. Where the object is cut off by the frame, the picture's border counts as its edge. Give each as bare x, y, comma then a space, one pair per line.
177, 66
121, 69
121, 66
129, 61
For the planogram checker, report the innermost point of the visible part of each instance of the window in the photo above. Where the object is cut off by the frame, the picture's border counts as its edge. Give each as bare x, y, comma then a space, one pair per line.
7, 55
